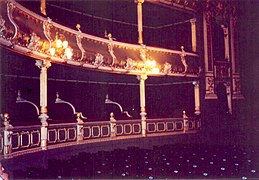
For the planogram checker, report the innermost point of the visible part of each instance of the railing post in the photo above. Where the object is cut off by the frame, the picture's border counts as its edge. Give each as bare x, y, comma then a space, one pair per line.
43, 65
185, 122
79, 127
7, 149
112, 125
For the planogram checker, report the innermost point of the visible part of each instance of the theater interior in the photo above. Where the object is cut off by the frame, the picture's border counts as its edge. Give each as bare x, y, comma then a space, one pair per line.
132, 89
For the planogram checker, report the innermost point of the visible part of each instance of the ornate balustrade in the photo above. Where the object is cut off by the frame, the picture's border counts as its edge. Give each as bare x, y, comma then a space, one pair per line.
28, 33
20, 140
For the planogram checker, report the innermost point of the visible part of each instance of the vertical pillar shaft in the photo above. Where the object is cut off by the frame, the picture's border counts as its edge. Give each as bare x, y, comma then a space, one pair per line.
143, 113
43, 65
43, 7
140, 24
197, 97
229, 96
226, 43
232, 45
193, 29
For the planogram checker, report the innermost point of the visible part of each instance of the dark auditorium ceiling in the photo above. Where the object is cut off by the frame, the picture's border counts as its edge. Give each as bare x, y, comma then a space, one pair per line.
78, 11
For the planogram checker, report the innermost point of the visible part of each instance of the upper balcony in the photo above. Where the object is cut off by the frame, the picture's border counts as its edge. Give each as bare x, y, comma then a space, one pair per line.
40, 37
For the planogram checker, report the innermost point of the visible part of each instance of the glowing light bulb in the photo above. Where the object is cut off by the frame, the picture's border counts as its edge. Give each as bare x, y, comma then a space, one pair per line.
153, 63
52, 51
58, 43
68, 53
65, 44
148, 63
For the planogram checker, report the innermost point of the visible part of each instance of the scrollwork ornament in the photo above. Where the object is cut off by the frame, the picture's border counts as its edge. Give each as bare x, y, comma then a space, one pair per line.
183, 60
34, 42
110, 48
10, 8
79, 42
211, 84
167, 68
98, 60
46, 30
130, 64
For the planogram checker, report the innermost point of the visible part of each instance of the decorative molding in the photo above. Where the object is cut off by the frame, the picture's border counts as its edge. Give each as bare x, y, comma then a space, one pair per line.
167, 68
98, 60
210, 87
34, 42
237, 94
2, 27
130, 64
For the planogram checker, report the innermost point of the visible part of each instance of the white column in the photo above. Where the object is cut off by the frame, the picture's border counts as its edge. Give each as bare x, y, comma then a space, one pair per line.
205, 41
143, 113
232, 45
140, 24
43, 65
226, 43
197, 97
229, 96
193, 29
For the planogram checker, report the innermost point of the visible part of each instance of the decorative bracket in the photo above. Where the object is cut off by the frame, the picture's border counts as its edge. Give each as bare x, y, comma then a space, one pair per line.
108, 101
79, 42
46, 30
183, 54
110, 48
21, 100
79, 115
10, 8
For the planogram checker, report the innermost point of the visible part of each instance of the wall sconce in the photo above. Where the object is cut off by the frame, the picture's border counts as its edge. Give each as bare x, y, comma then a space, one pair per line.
60, 47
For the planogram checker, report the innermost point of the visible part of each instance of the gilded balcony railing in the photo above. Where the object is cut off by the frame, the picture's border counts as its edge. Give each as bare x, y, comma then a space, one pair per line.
20, 140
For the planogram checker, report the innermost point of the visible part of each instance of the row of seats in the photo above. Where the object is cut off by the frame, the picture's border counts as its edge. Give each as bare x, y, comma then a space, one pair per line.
167, 161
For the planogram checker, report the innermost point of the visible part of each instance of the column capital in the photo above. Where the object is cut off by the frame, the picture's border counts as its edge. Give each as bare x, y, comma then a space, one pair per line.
43, 64
139, 1
142, 77
193, 20
196, 83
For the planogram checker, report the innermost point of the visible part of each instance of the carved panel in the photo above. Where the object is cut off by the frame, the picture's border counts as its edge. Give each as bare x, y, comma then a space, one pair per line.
237, 94
210, 87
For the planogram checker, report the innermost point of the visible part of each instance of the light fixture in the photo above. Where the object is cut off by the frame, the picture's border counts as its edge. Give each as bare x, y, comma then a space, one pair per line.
60, 47
150, 66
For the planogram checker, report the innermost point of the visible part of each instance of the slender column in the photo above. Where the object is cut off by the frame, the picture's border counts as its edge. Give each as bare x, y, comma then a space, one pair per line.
43, 65
197, 97
232, 45
226, 43
140, 26
143, 113
229, 96
193, 29
43, 7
